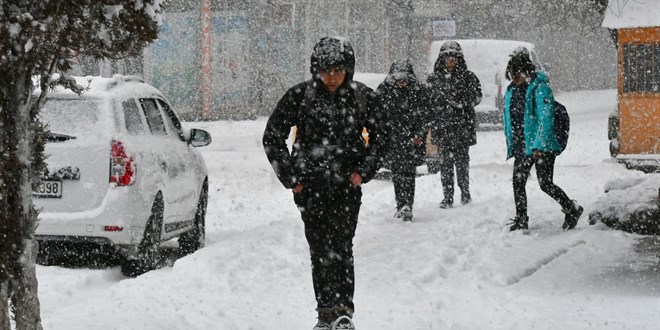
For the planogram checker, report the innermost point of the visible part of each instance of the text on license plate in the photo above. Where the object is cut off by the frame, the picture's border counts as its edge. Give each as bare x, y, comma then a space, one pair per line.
49, 189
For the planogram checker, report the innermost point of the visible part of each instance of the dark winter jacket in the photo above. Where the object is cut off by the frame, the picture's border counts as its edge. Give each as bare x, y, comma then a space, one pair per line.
454, 96
329, 145
407, 114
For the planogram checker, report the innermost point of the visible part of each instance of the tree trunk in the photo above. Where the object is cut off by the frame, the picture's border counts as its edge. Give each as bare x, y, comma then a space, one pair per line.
24, 298
4, 305
18, 217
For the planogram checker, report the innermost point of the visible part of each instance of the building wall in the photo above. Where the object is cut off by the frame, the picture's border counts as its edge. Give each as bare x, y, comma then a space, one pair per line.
260, 48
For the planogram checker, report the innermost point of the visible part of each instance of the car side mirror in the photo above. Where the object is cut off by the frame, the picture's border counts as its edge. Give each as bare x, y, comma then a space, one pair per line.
199, 137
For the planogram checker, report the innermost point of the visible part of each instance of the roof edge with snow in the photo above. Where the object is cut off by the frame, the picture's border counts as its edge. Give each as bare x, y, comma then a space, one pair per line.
632, 14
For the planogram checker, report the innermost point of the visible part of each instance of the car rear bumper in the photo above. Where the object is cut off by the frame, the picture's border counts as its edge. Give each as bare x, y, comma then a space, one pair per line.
489, 120
119, 219
87, 231
104, 243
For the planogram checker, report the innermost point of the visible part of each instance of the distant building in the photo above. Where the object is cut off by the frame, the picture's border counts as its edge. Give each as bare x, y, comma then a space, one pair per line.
237, 57
233, 59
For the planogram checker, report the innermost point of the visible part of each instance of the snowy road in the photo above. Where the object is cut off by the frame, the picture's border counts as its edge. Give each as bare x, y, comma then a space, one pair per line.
448, 269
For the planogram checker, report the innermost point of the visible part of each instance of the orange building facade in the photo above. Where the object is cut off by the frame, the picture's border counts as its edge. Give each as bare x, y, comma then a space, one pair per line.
639, 91
634, 130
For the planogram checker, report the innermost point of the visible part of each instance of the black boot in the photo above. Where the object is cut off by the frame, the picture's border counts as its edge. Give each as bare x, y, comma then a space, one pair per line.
520, 222
447, 203
466, 198
326, 316
572, 216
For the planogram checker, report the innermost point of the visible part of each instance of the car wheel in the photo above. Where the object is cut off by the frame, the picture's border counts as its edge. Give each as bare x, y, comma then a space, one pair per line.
149, 247
193, 240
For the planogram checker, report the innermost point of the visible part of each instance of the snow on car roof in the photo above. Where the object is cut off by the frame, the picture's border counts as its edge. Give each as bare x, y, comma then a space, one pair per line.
104, 87
631, 14
487, 58
479, 52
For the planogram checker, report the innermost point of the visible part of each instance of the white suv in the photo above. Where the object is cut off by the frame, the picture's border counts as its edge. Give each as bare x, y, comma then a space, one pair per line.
122, 172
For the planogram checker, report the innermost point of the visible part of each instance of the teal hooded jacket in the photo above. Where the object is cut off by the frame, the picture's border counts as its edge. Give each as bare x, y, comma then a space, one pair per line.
539, 130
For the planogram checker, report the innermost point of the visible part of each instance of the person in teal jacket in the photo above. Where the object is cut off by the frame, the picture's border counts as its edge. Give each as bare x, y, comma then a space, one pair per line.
531, 139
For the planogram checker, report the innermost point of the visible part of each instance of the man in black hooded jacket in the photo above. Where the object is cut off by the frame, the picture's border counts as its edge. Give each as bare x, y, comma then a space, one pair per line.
455, 91
329, 161
406, 102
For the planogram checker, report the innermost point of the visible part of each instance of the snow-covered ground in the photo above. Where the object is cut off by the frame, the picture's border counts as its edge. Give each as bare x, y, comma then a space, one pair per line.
448, 269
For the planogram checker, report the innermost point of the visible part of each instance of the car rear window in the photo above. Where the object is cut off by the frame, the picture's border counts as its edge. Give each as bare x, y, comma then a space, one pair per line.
75, 117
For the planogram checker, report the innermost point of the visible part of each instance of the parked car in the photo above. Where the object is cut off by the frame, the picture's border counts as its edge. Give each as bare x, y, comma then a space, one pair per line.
123, 173
488, 60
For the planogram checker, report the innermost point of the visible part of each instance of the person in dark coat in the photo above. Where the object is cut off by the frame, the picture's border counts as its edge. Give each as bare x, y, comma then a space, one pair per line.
456, 91
405, 100
329, 162
531, 139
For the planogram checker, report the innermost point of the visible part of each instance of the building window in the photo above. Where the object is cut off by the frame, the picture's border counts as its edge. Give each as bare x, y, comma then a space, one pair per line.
641, 68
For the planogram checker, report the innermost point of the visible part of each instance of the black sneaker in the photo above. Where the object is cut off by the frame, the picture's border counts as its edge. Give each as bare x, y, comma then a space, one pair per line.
446, 203
322, 325
519, 223
343, 323
572, 216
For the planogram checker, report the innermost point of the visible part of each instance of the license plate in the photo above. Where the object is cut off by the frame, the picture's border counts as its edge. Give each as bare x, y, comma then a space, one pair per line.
49, 189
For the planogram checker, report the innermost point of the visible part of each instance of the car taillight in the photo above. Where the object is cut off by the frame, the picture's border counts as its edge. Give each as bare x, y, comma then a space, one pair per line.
122, 168
113, 228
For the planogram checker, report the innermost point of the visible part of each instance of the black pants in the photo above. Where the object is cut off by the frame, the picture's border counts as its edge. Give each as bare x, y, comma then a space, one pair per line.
330, 215
403, 178
459, 158
545, 167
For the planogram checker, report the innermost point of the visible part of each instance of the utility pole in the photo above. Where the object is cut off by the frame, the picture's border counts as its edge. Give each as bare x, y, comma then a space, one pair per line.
207, 45
409, 27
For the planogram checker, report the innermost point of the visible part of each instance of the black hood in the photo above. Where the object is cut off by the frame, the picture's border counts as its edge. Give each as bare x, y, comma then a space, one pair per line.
449, 48
332, 52
519, 62
401, 70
